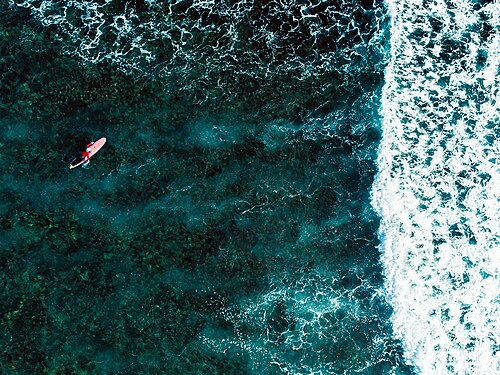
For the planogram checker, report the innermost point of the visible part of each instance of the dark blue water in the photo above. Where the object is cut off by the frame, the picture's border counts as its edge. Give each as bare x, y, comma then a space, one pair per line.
226, 226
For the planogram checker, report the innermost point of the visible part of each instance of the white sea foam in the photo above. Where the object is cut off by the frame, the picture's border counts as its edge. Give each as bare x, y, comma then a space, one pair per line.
313, 316
437, 190
237, 38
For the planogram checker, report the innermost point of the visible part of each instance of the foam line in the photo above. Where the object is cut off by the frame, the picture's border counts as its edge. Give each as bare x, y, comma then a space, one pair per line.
437, 190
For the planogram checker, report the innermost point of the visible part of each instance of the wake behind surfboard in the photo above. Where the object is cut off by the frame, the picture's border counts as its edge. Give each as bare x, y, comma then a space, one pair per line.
94, 148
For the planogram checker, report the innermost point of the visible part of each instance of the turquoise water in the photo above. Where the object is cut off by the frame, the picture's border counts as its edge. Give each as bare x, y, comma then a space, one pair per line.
226, 225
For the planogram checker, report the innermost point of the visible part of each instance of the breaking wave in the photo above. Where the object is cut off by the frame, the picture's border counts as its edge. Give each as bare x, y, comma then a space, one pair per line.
437, 187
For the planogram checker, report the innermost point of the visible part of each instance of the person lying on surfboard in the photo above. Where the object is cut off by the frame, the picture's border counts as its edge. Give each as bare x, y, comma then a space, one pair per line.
84, 158
86, 154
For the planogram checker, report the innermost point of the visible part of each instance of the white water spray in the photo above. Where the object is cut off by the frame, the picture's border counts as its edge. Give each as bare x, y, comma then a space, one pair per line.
437, 190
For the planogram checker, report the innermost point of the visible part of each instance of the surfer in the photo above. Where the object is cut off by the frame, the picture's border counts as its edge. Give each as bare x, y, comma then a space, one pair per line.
86, 154
83, 158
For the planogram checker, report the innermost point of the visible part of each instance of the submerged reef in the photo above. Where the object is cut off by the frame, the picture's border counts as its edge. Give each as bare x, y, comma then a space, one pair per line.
224, 229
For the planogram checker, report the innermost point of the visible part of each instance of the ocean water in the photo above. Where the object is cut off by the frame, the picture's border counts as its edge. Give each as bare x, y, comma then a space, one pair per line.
287, 187
437, 191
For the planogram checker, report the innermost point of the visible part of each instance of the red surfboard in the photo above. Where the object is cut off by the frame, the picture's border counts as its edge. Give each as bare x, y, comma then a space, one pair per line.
79, 160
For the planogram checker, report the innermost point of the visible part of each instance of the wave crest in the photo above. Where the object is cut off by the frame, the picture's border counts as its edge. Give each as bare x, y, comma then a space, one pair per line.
436, 190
